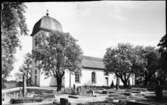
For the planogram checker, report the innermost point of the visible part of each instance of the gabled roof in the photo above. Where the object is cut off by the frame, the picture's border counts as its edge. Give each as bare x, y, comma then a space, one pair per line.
93, 63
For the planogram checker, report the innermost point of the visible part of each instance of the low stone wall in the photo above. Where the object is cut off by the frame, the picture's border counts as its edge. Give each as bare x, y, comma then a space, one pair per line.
7, 94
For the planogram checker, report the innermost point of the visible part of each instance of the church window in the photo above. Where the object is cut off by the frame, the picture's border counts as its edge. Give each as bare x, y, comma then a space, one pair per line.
77, 77
35, 80
93, 77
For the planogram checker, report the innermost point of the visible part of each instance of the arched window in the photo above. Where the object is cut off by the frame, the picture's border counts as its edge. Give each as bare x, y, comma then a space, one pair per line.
35, 79
93, 77
77, 77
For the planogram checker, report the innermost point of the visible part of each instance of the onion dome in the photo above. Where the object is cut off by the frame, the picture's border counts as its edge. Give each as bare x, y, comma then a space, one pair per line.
47, 23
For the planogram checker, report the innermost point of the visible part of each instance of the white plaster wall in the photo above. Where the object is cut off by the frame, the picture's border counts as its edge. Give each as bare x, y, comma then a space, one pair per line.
85, 79
46, 82
67, 78
112, 77
120, 82
100, 78
51, 81
132, 79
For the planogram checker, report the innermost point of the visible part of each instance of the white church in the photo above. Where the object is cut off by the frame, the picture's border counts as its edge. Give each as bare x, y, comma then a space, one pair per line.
92, 71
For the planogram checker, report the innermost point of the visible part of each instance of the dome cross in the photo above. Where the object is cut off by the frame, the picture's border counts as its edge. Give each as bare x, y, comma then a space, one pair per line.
47, 12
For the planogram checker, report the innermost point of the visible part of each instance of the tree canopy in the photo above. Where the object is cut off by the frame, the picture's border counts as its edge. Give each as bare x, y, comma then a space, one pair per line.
163, 45
163, 51
127, 59
12, 25
122, 61
55, 53
151, 57
163, 58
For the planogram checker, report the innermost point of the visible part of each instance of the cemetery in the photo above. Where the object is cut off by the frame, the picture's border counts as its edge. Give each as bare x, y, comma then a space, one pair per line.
88, 96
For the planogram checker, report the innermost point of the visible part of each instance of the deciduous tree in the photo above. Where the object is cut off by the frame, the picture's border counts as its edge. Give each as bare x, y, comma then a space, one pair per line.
26, 70
12, 25
122, 60
163, 59
55, 53
151, 57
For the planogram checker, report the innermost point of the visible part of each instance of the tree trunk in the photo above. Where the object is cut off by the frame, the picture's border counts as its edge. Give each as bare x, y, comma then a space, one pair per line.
125, 83
117, 83
124, 79
24, 85
59, 83
145, 81
59, 75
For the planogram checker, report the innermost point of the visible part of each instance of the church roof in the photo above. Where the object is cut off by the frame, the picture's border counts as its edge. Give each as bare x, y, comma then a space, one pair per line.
93, 63
47, 23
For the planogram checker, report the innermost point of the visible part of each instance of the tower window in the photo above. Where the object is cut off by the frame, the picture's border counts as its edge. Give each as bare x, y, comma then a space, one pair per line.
35, 72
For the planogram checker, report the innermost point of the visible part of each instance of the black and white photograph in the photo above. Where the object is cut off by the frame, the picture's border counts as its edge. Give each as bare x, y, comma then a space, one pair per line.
84, 53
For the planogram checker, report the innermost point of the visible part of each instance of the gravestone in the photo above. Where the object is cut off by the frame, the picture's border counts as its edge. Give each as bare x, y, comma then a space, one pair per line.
90, 92
68, 91
74, 90
78, 90
84, 91
104, 92
63, 101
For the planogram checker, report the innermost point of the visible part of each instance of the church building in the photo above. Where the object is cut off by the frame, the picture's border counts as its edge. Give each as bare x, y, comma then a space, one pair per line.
92, 72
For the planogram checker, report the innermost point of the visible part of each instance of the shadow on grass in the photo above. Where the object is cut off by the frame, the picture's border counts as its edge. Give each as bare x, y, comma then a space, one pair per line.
157, 99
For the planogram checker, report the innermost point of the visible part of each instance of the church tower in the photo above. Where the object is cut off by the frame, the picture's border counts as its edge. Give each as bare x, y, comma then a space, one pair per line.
46, 24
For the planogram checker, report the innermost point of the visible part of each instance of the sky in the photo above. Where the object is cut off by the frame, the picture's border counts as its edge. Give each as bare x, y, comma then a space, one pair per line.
98, 25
